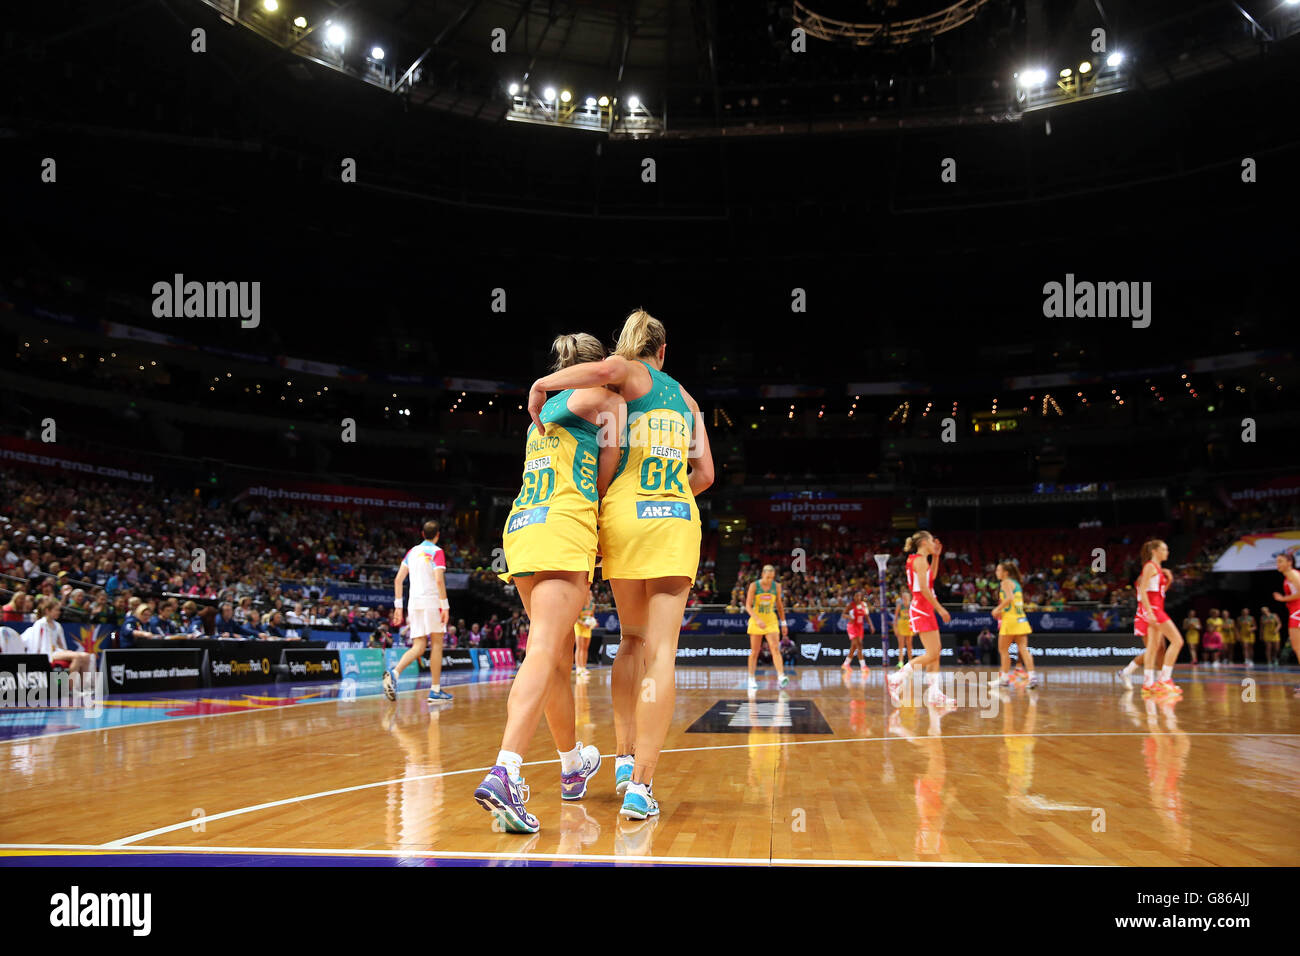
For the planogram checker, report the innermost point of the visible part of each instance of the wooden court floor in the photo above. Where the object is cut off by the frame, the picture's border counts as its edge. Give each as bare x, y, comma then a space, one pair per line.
1077, 772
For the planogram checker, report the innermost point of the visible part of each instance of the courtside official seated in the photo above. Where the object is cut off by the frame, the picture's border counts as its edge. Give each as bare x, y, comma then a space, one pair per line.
225, 624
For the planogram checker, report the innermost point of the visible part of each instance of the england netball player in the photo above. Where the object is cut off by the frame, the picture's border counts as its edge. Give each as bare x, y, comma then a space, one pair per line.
426, 566
924, 613
649, 529
1160, 628
1290, 596
550, 551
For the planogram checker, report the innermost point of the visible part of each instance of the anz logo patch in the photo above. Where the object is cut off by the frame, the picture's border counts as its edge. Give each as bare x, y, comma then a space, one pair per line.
525, 518
663, 509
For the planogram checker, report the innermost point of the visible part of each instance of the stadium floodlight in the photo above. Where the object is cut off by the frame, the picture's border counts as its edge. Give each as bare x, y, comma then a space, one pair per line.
300, 22
514, 89
565, 96
1115, 59
1085, 67
633, 103
1067, 73
376, 53
591, 101
270, 6
548, 94
335, 35
1032, 78
603, 101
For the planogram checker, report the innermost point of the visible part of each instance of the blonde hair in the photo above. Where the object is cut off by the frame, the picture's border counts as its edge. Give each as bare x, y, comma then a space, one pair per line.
574, 348
914, 540
642, 335
1149, 549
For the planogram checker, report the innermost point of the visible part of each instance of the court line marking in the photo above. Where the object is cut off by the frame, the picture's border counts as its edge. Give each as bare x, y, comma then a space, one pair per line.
226, 814
524, 855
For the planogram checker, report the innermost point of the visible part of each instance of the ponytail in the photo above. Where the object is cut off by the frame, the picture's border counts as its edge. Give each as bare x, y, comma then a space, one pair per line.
1011, 568
642, 335
913, 541
575, 348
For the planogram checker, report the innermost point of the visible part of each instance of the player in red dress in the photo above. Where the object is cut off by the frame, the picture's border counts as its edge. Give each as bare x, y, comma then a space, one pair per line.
857, 618
1160, 627
1140, 629
925, 613
1290, 596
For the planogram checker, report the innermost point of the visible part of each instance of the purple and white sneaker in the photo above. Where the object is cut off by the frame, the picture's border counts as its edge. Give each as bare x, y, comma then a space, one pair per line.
505, 799
573, 786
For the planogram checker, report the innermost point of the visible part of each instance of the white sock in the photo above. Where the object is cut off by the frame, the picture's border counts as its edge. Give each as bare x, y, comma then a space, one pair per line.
1167, 672
641, 788
1148, 677
572, 760
1130, 668
512, 762
623, 760
931, 679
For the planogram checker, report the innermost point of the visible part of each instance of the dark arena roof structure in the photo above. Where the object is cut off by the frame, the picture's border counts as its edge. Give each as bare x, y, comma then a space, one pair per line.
918, 171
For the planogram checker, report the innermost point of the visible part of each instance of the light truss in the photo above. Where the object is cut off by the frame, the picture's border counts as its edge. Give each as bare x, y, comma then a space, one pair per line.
897, 33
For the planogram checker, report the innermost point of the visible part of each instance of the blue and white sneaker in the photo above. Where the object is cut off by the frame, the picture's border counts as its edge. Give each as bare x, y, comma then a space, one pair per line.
505, 799
573, 786
622, 773
390, 683
639, 803
437, 695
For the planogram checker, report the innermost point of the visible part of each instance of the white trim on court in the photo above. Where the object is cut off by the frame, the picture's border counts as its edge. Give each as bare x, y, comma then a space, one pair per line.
190, 822
520, 856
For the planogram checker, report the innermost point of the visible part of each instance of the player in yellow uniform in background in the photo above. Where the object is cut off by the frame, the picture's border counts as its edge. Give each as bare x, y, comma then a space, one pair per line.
582, 636
903, 627
1246, 636
1229, 630
1192, 633
1013, 625
1270, 628
766, 612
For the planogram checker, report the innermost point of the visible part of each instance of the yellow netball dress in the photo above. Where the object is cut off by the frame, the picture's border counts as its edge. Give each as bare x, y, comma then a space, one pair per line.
581, 628
1192, 630
1272, 631
764, 620
1013, 618
902, 620
552, 525
649, 524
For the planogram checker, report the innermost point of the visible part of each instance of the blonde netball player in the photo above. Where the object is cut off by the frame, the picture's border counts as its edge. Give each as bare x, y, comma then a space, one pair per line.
1160, 627
1013, 625
550, 550
766, 610
582, 635
924, 613
649, 527
426, 566
1290, 596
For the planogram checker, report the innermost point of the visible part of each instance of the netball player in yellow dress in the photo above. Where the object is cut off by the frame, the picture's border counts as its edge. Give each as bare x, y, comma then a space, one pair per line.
649, 533
766, 610
1013, 625
550, 550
